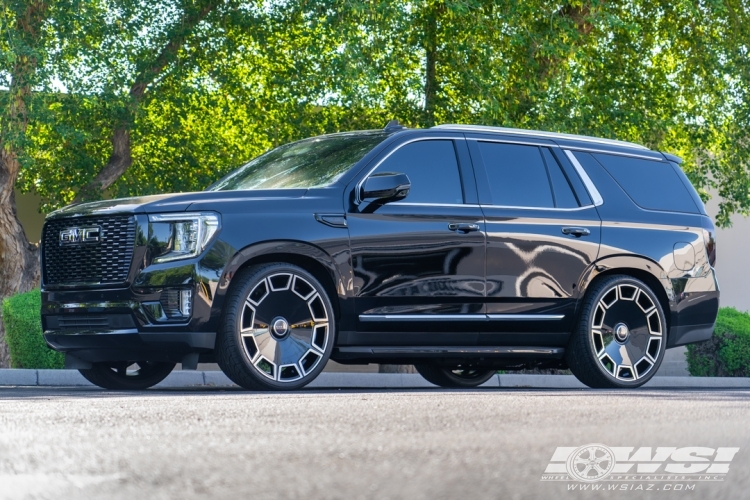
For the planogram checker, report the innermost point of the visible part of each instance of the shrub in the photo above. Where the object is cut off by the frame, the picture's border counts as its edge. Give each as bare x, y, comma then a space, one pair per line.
727, 353
23, 333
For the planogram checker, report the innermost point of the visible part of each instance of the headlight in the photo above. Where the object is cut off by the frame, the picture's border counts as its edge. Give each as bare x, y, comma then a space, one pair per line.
180, 235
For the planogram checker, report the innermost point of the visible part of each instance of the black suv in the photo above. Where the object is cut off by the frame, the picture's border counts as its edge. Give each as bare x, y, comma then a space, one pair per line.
459, 249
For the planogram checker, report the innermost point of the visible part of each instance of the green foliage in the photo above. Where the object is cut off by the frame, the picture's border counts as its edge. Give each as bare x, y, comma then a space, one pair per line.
23, 333
254, 74
727, 353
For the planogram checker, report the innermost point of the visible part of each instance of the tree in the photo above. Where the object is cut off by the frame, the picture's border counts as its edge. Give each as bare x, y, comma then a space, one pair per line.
23, 22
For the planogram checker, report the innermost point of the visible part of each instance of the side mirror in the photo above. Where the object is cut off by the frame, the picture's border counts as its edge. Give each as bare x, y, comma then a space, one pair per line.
386, 186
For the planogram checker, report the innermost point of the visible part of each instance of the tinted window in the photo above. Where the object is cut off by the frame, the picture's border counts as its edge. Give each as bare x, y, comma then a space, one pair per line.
432, 169
564, 197
315, 162
651, 184
517, 175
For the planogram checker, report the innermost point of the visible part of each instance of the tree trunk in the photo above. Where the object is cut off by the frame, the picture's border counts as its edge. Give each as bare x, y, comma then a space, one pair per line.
19, 260
431, 56
431, 53
121, 158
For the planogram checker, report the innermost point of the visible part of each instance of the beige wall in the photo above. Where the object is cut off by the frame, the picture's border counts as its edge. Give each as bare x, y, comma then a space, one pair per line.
733, 260
27, 206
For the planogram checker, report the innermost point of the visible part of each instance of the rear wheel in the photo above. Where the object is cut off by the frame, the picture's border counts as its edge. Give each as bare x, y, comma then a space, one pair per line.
454, 378
127, 376
621, 335
278, 328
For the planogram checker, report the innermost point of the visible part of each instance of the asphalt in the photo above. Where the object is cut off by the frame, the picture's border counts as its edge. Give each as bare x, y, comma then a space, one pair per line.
349, 444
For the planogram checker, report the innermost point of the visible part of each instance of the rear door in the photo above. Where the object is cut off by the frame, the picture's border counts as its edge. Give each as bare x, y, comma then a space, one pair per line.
419, 263
543, 231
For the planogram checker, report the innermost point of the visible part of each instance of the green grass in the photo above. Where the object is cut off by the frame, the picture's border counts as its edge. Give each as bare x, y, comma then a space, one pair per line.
23, 333
727, 354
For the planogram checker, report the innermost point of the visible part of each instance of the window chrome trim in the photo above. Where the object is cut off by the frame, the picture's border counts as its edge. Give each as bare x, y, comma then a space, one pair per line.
616, 153
538, 208
358, 186
526, 317
537, 133
590, 187
459, 317
407, 204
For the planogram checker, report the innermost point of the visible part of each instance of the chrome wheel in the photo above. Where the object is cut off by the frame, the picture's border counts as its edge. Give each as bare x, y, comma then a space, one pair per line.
278, 328
627, 331
284, 327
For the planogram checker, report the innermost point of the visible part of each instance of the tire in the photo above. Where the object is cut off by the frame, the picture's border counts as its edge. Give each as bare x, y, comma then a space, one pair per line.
457, 378
117, 377
620, 337
277, 330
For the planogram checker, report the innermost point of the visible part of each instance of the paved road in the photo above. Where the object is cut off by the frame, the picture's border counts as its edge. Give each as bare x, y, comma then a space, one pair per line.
431, 444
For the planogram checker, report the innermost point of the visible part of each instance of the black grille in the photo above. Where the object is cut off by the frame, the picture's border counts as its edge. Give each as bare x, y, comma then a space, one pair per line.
106, 261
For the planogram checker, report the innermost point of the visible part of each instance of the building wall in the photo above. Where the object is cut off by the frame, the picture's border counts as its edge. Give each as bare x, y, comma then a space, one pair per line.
733, 260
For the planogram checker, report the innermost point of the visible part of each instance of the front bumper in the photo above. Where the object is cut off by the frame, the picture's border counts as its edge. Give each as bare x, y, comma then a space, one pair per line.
113, 325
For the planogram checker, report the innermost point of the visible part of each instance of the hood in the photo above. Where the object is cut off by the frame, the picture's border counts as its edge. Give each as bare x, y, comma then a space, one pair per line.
176, 202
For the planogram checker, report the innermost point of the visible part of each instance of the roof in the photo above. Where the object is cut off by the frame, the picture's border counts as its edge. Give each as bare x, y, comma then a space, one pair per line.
547, 135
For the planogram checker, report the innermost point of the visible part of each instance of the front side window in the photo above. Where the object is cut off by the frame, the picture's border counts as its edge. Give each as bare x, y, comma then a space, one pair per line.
517, 175
311, 163
432, 169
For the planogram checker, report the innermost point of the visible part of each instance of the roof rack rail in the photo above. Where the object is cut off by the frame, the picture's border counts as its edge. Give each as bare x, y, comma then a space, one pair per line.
549, 135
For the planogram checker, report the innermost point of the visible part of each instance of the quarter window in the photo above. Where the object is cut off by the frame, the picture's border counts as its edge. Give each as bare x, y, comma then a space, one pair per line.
653, 185
432, 169
517, 175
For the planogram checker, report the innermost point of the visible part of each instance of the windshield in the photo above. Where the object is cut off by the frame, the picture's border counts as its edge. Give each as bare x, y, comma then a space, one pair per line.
311, 163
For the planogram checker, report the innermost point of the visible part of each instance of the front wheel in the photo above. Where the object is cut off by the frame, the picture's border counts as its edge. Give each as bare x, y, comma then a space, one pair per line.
278, 328
127, 376
621, 335
454, 378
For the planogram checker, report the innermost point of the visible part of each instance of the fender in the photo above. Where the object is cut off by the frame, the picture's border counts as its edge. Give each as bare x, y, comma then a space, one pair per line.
339, 269
648, 268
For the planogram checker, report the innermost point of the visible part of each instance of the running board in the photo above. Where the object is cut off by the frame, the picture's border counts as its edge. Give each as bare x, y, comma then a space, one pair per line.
473, 352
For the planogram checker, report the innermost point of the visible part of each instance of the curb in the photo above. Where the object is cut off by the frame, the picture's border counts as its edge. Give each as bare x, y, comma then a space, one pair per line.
334, 380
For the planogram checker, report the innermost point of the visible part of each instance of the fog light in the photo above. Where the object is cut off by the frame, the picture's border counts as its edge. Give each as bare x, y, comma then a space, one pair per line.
185, 302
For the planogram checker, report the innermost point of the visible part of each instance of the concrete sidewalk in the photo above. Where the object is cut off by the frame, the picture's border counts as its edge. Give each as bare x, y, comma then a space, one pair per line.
332, 380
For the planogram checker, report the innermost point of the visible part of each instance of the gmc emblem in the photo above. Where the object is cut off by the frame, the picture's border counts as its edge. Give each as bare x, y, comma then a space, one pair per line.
80, 235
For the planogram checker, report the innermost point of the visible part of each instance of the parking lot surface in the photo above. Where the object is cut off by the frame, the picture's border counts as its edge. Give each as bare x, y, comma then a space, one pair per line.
416, 444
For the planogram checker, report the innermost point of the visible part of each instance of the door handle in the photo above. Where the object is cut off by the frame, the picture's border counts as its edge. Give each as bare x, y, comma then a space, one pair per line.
463, 227
576, 231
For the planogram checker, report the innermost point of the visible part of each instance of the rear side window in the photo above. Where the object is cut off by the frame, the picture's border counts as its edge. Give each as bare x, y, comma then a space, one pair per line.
564, 196
432, 169
653, 185
517, 175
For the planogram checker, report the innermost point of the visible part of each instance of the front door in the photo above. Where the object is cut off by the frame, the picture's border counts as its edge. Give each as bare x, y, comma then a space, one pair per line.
543, 231
419, 263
